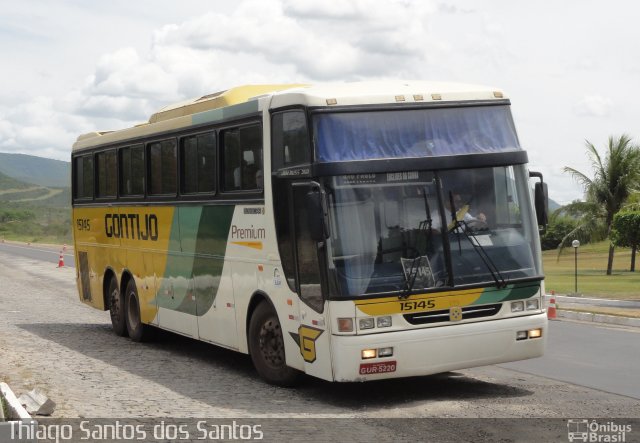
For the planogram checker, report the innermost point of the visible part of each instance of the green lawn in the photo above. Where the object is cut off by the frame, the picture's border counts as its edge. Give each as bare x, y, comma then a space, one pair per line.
592, 278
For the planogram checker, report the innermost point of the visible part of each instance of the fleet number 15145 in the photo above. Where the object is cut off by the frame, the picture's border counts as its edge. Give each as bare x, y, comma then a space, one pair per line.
413, 305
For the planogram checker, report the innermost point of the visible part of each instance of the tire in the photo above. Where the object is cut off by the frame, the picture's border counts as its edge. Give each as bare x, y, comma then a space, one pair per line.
116, 308
266, 346
136, 329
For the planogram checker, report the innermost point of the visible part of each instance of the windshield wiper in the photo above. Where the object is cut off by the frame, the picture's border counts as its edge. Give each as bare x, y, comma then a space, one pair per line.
461, 226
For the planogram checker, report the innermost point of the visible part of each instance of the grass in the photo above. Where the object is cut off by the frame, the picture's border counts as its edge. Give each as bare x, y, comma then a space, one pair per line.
35, 222
592, 278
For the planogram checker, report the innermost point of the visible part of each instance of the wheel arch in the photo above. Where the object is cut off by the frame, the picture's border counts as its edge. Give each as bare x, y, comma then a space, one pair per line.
124, 281
109, 273
257, 298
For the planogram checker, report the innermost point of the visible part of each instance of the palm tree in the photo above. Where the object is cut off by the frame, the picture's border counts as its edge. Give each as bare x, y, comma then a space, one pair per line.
614, 178
590, 225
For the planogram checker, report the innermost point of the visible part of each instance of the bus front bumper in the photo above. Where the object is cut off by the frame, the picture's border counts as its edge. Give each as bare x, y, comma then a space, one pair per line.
437, 349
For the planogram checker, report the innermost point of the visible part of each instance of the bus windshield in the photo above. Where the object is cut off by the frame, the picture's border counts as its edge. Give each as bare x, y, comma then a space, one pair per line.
425, 230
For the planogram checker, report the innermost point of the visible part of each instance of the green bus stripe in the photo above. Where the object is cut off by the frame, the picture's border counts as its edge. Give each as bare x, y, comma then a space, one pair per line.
195, 259
511, 292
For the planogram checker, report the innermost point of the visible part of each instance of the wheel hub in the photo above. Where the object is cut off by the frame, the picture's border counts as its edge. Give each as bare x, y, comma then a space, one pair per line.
271, 344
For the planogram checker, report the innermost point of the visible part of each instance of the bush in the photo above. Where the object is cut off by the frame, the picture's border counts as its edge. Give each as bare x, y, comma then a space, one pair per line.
557, 229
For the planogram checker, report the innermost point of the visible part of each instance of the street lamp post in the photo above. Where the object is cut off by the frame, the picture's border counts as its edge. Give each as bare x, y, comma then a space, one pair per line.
576, 244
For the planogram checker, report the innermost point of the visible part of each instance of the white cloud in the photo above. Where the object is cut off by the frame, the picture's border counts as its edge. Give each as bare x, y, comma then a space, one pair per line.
91, 66
258, 41
39, 128
593, 106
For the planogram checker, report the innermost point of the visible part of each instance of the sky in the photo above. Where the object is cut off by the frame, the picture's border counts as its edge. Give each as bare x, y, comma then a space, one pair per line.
571, 68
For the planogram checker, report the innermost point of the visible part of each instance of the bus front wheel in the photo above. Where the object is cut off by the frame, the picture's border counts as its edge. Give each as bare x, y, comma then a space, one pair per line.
266, 346
116, 308
136, 329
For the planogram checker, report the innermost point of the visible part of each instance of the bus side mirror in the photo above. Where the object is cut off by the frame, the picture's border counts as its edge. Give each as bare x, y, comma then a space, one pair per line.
541, 196
541, 201
317, 215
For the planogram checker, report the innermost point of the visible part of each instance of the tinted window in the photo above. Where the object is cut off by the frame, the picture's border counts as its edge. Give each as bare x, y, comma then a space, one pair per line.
284, 229
414, 133
242, 158
197, 166
307, 252
290, 141
83, 176
162, 168
132, 170
107, 174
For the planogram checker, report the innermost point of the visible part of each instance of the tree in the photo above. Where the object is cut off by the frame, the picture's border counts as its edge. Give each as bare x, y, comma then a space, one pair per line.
558, 228
588, 227
625, 232
614, 179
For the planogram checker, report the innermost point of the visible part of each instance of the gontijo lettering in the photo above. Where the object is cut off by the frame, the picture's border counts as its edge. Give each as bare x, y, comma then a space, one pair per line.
131, 226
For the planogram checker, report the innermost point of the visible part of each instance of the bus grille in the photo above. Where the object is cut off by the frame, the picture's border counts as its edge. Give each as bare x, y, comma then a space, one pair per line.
468, 312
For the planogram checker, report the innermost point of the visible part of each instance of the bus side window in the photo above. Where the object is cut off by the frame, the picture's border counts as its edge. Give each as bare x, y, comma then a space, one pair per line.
242, 158
107, 173
163, 167
290, 139
197, 163
132, 171
83, 185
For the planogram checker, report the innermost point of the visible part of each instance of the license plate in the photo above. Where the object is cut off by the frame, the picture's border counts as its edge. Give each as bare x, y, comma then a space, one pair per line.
377, 368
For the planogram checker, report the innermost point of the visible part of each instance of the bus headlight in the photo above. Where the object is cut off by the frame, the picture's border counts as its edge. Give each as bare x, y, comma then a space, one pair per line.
531, 333
366, 323
385, 352
384, 322
368, 353
532, 304
535, 333
517, 306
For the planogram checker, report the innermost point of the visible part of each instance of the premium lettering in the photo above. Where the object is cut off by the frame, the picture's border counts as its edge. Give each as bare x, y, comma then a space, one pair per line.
248, 233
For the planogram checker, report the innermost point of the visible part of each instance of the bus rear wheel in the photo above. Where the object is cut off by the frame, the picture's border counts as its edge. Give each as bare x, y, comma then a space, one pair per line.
116, 308
137, 330
266, 346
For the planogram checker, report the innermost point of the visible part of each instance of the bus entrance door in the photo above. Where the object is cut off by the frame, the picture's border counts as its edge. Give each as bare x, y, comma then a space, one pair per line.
313, 334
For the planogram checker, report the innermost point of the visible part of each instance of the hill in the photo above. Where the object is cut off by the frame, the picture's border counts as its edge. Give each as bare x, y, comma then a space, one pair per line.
34, 213
8, 183
36, 170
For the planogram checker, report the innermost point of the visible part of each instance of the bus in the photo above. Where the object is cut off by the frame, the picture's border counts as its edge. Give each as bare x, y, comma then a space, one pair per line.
352, 232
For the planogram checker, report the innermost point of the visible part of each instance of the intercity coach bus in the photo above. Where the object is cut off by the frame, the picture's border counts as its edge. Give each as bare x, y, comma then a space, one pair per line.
352, 232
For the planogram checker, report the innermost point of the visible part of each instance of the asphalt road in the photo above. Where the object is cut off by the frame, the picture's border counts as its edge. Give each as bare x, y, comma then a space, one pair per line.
597, 356
45, 253
49, 340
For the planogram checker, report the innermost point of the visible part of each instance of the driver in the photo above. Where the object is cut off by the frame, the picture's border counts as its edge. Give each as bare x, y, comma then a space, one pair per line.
462, 213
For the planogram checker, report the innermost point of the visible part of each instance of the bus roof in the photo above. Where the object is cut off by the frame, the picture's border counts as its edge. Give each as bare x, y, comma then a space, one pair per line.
184, 114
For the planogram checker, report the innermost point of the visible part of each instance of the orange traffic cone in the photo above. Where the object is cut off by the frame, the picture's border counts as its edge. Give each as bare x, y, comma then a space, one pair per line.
551, 309
61, 260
